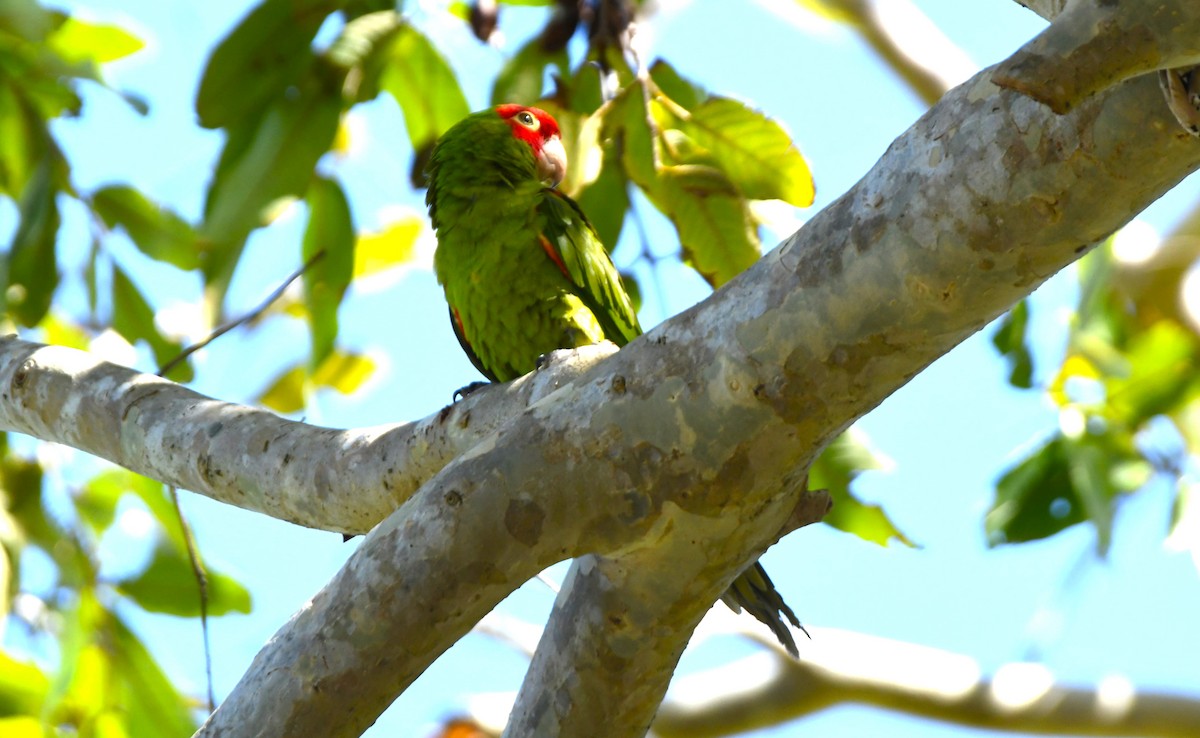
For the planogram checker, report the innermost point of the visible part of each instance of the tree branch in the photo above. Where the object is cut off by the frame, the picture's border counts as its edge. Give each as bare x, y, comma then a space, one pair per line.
841, 667
1094, 44
338, 480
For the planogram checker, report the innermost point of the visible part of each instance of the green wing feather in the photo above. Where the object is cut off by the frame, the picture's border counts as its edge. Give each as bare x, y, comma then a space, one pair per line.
581, 255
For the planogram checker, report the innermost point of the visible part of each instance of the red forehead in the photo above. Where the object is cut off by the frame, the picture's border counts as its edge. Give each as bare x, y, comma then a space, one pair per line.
549, 126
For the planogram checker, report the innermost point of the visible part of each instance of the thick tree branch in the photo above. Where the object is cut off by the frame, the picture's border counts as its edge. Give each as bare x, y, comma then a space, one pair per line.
338, 480
1094, 44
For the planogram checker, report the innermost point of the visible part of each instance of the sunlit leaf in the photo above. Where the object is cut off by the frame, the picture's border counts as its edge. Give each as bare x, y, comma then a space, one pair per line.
682, 91
394, 246
715, 227
133, 318
78, 41
168, 585
752, 150
344, 372
23, 688
1009, 339
834, 470
22, 727
156, 231
286, 393
264, 54
1162, 369
330, 232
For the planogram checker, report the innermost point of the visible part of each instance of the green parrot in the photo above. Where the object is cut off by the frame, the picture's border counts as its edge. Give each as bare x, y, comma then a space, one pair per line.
525, 273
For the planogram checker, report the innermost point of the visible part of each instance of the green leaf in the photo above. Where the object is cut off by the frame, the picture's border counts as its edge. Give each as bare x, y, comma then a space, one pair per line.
133, 318
523, 77
168, 585
32, 267
415, 73
1065, 482
716, 230
755, 152
23, 141
682, 91
1009, 340
78, 41
146, 700
265, 54
330, 232
156, 231
394, 246
834, 470
1162, 372
272, 160
606, 198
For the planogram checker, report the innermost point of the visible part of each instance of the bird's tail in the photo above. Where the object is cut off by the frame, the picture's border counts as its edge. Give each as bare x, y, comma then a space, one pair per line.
753, 592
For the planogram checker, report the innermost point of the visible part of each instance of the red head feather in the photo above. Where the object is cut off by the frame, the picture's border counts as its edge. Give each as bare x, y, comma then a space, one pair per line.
538, 128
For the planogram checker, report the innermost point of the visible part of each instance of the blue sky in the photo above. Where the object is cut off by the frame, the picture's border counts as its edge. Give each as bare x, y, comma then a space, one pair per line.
948, 434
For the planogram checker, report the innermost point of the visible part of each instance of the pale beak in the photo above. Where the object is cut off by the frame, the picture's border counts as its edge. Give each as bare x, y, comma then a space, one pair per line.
552, 162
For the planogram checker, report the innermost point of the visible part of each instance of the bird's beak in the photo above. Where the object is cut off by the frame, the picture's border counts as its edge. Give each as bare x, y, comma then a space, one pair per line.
552, 162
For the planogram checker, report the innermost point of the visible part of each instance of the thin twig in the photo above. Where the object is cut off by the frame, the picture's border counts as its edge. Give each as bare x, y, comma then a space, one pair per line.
193, 553
244, 319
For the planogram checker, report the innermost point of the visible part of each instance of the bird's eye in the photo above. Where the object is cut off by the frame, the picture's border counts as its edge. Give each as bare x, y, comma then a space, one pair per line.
526, 119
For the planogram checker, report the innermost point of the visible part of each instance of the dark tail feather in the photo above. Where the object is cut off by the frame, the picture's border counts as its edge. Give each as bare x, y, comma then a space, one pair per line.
754, 593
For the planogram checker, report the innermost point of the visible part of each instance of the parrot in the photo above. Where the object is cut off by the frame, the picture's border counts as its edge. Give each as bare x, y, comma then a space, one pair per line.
524, 272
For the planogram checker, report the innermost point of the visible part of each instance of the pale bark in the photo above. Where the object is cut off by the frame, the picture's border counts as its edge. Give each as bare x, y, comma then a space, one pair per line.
838, 668
668, 466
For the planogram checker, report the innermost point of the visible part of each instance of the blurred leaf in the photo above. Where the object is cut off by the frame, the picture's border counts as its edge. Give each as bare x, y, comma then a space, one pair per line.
423, 84
272, 160
22, 727
23, 137
1065, 482
60, 331
344, 372
78, 41
286, 393
834, 10
32, 266
267, 52
1162, 369
834, 470
157, 232
133, 318
168, 585
1009, 340
147, 700
23, 688
523, 77
21, 482
331, 232
394, 246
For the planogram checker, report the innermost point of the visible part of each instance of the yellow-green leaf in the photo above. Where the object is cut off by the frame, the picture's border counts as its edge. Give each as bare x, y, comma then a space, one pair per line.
834, 470
32, 267
394, 246
77, 41
286, 393
168, 585
344, 372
